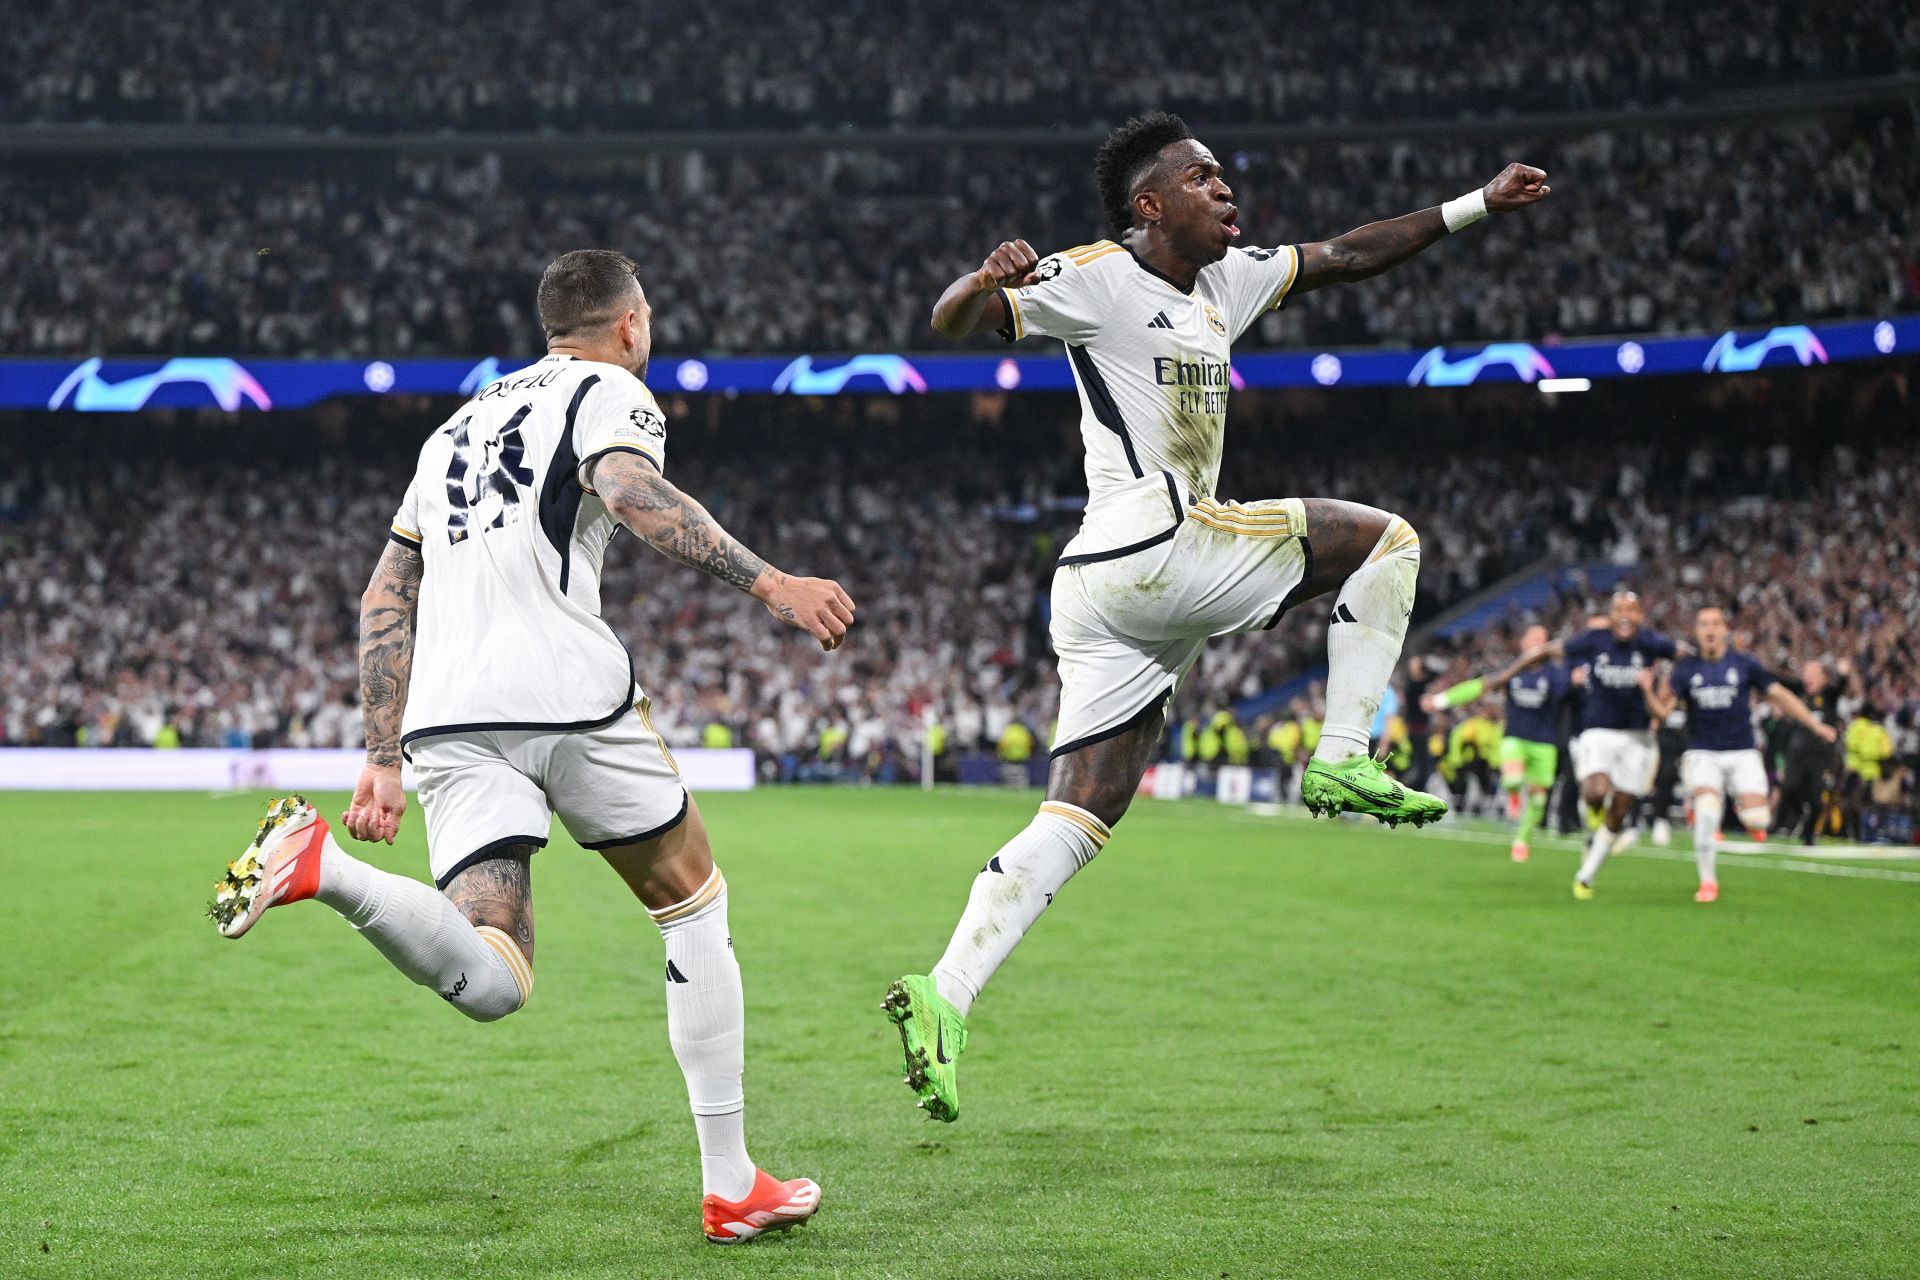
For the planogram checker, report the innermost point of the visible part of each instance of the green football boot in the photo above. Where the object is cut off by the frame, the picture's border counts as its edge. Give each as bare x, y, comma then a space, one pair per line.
932, 1033
1359, 785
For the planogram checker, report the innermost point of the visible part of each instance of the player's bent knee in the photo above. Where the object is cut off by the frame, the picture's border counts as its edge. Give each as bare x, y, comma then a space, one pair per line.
496, 986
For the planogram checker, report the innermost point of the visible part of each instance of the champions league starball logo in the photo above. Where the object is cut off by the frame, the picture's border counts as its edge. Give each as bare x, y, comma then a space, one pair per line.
1522, 359
226, 381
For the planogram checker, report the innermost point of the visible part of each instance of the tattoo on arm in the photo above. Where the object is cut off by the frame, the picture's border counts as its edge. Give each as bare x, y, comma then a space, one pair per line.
1369, 250
386, 648
499, 893
671, 522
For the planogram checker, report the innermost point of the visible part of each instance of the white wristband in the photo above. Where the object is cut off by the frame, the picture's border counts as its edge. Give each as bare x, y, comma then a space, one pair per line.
1465, 210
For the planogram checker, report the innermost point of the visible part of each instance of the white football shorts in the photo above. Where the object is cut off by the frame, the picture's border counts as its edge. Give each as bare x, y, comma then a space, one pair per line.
1729, 773
1629, 758
487, 791
1126, 630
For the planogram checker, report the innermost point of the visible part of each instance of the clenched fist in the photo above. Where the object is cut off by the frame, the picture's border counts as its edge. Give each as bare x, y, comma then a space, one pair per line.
1516, 187
1008, 267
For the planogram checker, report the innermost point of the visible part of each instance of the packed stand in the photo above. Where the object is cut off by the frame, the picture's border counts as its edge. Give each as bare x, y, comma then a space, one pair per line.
226, 611
363, 66
1688, 231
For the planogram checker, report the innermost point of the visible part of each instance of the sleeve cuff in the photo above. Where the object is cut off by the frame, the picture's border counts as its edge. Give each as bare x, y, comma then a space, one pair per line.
1286, 286
1013, 330
405, 537
585, 468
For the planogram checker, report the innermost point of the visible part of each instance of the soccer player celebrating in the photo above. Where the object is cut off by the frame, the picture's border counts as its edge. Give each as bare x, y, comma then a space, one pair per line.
1530, 751
1161, 563
1615, 757
1716, 687
483, 657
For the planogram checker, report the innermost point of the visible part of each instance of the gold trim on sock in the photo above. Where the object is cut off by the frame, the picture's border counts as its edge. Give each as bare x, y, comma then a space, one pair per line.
715, 886
509, 951
1096, 830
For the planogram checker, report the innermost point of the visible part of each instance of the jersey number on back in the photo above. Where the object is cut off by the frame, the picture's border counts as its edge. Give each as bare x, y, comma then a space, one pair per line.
496, 468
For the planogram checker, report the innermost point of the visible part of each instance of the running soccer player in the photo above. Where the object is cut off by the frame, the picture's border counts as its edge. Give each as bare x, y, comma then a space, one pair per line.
484, 659
1716, 687
1615, 757
1161, 564
1530, 751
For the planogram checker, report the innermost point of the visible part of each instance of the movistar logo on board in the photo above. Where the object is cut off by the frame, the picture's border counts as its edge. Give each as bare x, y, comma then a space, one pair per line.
1170, 372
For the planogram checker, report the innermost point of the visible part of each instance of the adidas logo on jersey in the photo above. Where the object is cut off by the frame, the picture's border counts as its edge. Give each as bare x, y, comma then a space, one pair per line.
1160, 321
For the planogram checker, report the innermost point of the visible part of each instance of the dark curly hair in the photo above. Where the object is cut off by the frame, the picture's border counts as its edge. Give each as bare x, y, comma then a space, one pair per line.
1125, 155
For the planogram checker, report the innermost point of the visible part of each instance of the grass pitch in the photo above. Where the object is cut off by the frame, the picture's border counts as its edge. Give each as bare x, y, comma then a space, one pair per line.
1237, 1047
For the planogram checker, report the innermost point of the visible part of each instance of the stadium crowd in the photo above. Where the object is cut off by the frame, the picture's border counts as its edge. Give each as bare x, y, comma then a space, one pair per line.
1649, 231
359, 65
226, 613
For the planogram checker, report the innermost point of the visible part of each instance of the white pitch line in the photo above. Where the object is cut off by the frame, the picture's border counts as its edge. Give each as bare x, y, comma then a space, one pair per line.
1466, 835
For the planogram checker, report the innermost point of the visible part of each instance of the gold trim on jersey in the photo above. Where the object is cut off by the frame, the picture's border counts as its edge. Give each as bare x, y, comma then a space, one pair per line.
645, 708
1280, 294
1232, 517
1019, 328
408, 534
1081, 254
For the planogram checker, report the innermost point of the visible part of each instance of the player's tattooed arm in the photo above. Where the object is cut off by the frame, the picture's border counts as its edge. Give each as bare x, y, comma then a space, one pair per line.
972, 303
387, 610
1381, 246
677, 526
671, 522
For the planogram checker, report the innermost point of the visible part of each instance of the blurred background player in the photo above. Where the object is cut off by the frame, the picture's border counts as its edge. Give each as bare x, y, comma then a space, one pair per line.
1807, 755
1530, 747
1160, 565
484, 658
1715, 688
1616, 757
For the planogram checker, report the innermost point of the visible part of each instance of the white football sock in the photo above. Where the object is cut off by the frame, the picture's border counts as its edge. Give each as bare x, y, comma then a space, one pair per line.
1598, 847
1707, 812
1758, 820
478, 970
1364, 638
706, 1024
1016, 885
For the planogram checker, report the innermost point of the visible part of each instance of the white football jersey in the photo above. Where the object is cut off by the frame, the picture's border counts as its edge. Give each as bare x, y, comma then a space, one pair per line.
508, 634
1152, 363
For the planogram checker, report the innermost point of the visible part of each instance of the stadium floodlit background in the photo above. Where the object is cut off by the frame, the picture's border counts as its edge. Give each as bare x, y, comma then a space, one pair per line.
250, 258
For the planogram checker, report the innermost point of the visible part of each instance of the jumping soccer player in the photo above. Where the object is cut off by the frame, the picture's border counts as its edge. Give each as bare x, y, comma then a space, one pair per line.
483, 657
1160, 564
1615, 758
1716, 688
1530, 751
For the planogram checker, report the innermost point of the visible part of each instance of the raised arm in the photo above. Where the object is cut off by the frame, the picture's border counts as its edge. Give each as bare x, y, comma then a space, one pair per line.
678, 527
1790, 704
1658, 693
972, 303
387, 610
1381, 246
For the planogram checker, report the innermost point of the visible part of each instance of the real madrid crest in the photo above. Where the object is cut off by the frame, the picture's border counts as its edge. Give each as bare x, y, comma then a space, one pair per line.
1214, 321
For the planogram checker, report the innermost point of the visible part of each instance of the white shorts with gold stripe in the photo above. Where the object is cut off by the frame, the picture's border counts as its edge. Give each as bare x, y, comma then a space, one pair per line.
485, 792
1128, 629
